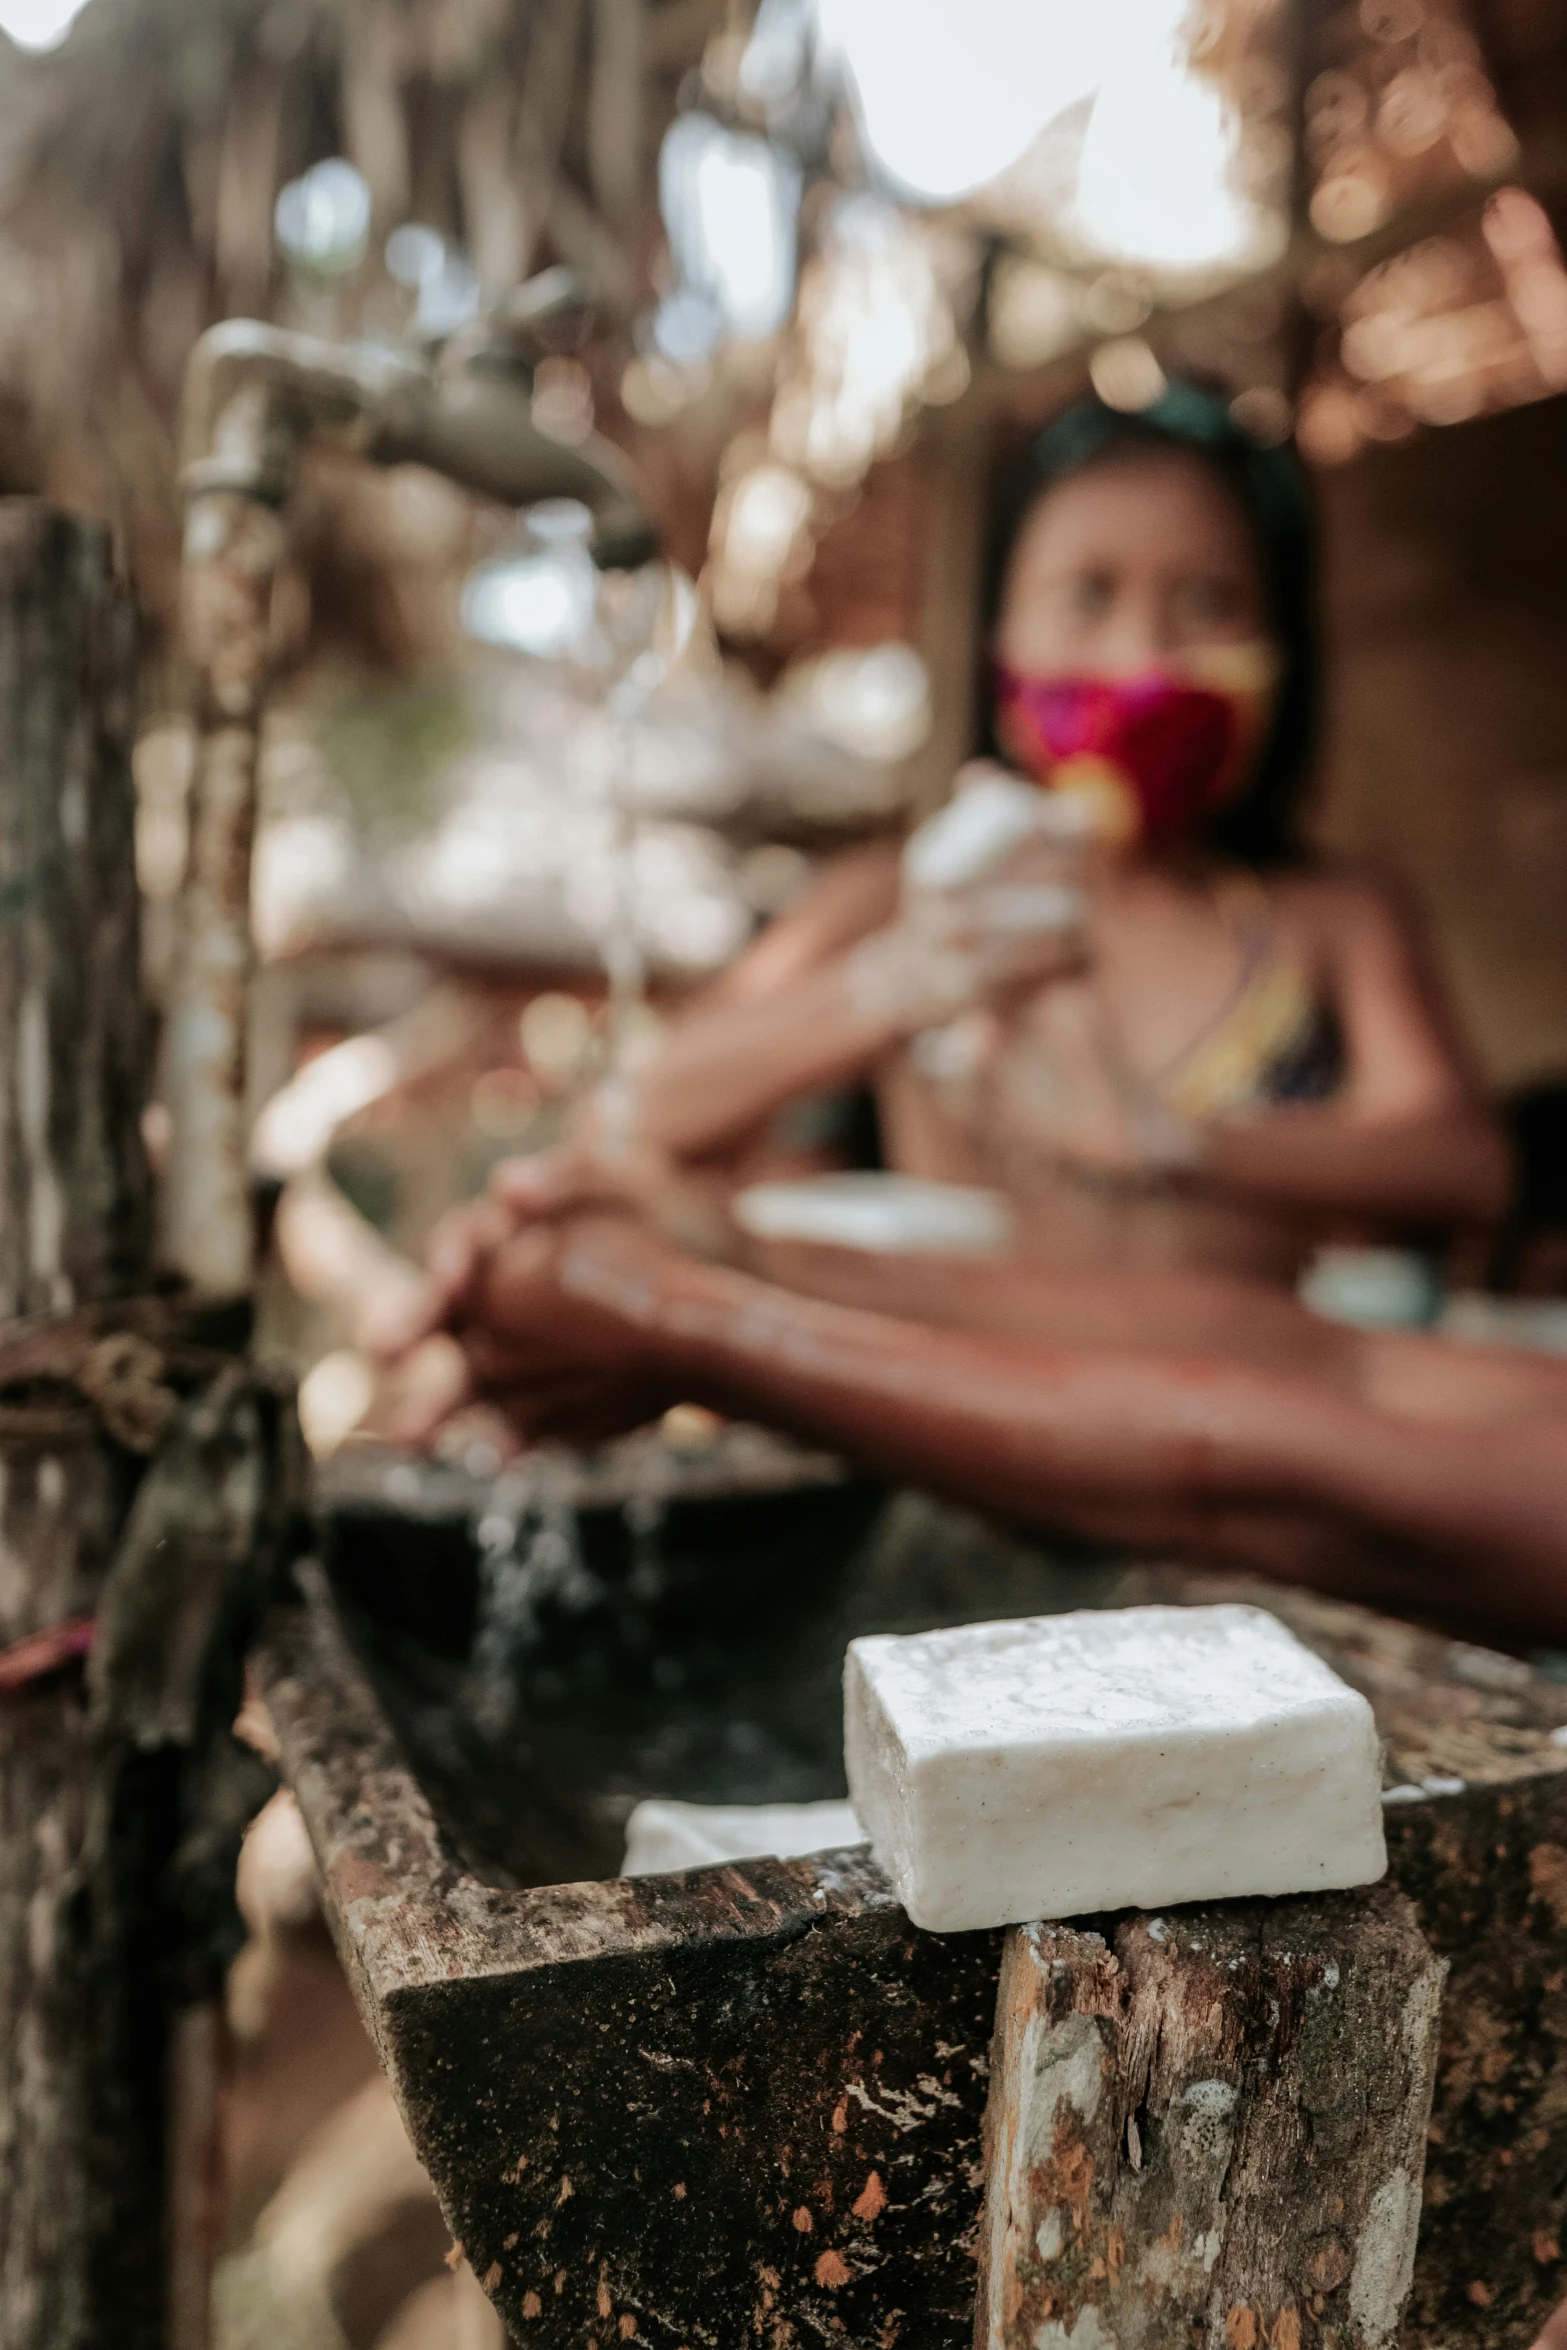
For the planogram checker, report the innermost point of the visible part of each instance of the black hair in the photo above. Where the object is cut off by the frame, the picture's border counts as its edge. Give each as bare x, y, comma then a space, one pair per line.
1269, 486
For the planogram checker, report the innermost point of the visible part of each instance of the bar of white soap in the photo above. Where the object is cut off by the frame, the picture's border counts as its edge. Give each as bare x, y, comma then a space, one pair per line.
663, 1835
974, 833
1127, 1758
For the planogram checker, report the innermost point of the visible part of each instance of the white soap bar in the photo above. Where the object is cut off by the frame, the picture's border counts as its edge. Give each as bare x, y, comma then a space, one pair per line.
1129, 1758
973, 834
983, 824
889, 1214
664, 1835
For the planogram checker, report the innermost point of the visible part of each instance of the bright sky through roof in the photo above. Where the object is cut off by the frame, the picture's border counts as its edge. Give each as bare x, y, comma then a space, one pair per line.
1155, 182
951, 93
38, 24
729, 203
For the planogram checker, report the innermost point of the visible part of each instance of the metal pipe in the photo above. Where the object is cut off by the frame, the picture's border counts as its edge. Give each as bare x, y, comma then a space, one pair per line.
472, 422
255, 396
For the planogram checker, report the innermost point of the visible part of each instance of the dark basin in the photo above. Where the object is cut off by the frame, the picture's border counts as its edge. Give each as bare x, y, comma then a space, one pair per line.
555, 1645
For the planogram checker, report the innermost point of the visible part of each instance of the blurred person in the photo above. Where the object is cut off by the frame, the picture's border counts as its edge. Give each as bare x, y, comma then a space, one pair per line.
1210, 1056
1219, 1051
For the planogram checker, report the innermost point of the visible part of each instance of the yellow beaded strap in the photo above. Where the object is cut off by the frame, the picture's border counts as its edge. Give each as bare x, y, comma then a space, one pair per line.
1269, 1016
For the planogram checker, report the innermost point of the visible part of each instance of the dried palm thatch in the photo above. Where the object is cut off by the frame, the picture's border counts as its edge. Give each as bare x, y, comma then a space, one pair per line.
139, 167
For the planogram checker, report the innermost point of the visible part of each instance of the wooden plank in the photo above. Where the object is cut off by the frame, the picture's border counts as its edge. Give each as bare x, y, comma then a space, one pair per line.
75, 1197
1210, 2126
233, 544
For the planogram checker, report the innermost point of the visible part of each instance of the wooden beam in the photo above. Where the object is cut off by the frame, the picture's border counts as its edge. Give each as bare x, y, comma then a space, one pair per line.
958, 455
233, 545
75, 1196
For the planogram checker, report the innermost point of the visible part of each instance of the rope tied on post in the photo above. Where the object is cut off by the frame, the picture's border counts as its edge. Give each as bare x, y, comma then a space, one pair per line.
118, 1369
157, 1377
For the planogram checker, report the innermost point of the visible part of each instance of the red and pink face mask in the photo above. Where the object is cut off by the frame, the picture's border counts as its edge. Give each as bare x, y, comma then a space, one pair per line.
1157, 754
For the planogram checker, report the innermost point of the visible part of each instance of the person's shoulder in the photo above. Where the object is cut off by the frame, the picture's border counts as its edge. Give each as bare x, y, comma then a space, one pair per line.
1341, 898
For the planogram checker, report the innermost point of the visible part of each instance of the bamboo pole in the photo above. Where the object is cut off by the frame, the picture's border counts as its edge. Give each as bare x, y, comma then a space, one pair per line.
233, 543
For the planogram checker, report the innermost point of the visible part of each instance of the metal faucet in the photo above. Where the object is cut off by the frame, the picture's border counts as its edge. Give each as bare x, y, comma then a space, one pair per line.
256, 395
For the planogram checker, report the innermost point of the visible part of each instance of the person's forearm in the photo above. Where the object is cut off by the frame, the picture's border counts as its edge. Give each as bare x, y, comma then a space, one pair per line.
1108, 1440
1439, 1171
1007, 1426
1150, 1311
720, 1078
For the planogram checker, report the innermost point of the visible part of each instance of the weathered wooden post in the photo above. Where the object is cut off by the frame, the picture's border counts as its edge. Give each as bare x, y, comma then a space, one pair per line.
148, 1496
81, 2189
1210, 2127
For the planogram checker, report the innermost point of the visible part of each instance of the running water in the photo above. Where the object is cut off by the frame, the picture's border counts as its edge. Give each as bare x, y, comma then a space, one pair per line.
610, 638
534, 1579
530, 1565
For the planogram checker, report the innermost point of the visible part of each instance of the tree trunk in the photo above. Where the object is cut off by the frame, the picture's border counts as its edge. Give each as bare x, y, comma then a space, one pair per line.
81, 2035
1212, 2131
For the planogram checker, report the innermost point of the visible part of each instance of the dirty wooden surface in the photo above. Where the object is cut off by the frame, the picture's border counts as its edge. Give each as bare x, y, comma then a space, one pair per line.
74, 1189
1209, 2125
708, 2031
674, 2110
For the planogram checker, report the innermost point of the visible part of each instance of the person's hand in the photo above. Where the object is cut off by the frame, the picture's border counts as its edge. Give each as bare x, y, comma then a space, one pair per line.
972, 948
552, 1330
582, 1174
979, 923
